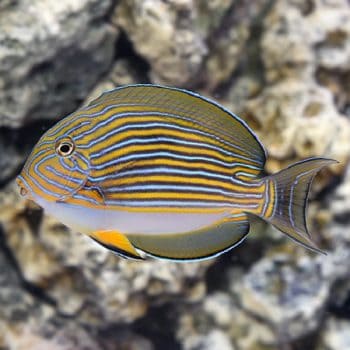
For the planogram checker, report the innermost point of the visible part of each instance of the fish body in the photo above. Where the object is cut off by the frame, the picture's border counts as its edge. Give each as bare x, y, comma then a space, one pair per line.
163, 171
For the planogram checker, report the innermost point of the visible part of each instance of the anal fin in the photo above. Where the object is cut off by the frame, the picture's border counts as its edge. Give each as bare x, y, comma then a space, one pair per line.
196, 245
116, 242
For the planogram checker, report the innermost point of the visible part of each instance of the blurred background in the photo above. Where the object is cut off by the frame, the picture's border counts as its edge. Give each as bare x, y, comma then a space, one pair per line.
284, 67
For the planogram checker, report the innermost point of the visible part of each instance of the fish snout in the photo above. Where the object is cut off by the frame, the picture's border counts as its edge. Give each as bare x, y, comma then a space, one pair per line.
23, 189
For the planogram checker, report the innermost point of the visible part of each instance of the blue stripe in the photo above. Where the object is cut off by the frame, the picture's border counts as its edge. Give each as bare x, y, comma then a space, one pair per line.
167, 170
156, 140
45, 190
111, 119
151, 125
64, 176
180, 188
179, 204
74, 117
193, 94
172, 155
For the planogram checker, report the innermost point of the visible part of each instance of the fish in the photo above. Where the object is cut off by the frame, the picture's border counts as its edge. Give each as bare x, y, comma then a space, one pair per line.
150, 170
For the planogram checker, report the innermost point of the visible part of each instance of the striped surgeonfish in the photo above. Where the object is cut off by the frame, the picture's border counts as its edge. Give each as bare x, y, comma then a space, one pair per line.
153, 170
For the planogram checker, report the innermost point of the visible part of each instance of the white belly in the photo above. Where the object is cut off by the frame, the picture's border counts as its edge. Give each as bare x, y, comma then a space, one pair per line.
86, 220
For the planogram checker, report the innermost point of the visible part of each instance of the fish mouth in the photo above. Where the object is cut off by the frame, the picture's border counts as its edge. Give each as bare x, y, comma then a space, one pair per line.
24, 190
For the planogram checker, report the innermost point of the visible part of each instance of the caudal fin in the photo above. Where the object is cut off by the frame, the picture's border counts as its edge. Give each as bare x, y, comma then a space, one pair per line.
291, 189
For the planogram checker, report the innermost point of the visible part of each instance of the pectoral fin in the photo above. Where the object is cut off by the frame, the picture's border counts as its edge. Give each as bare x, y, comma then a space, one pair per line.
116, 242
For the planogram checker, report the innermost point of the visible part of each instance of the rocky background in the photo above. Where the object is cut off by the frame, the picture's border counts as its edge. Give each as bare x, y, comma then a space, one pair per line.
284, 67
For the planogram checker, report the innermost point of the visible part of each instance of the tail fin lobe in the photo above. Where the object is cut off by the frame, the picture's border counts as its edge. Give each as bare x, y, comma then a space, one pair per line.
291, 189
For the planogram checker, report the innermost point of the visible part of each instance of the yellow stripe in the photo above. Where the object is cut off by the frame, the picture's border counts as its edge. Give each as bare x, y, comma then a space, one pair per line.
162, 146
61, 180
156, 132
173, 163
119, 168
180, 196
123, 121
272, 201
38, 190
118, 121
76, 119
182, 180
165, 178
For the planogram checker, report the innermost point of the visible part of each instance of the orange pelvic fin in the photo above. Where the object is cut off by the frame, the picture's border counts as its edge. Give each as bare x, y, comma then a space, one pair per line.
116, 242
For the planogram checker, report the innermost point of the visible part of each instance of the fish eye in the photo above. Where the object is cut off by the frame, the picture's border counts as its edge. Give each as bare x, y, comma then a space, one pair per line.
65, 148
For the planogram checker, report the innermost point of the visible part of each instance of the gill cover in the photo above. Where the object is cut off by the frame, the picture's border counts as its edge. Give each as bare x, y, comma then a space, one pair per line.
53, 171
74, 168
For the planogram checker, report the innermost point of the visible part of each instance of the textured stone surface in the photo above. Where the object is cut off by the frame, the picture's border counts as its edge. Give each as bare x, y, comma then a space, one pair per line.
284, 66
11, 159
51, 55
215, 340
293, 113
289, 295
164, 33
336, 335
